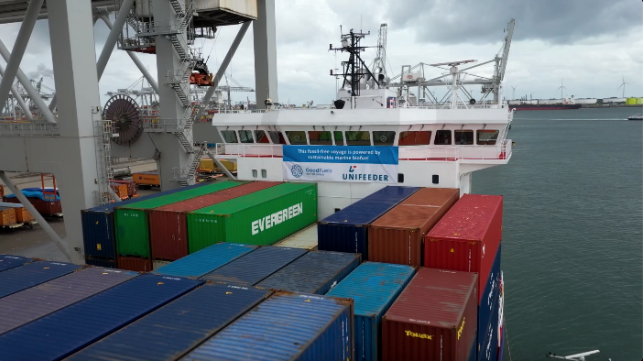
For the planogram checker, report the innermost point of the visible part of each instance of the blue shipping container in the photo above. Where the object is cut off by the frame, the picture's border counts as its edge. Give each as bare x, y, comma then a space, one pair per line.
32, 274
373, 287
488, 349
206, 260
9, 262
25, 306
347, 230
490, 297
315, 272
285, 327
255, 266
62, 333
176, 328
98, 224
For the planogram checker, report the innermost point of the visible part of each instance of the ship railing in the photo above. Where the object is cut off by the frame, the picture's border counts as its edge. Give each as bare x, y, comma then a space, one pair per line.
500, 151
28, 129
249, 150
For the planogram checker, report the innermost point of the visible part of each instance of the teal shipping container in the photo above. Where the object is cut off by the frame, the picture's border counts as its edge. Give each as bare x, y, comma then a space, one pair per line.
374, 287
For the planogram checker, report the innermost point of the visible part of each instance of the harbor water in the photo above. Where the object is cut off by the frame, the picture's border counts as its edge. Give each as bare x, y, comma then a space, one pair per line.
572, 231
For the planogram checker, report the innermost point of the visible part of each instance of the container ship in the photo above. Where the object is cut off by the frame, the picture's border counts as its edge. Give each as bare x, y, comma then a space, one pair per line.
544, 105
340, 238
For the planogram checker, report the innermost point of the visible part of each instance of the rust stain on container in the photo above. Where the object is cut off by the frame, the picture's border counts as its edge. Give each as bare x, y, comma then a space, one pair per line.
168, 224
398, 236
433, 319
135, 264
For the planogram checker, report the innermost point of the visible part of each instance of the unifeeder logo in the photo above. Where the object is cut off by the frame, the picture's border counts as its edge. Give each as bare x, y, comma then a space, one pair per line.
276, 218
353, 175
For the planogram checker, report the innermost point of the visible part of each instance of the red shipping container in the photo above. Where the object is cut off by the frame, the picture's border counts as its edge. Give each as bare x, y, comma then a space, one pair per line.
168, 224
136, 264
434, 319
467, 237
398, 236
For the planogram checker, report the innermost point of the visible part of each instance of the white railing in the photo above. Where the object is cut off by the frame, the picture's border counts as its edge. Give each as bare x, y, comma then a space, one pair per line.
28, 129
500, 151
250, 150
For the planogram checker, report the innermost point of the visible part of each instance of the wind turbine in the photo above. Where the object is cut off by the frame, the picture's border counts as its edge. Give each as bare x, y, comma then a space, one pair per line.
513, 95
561, 87
623, 85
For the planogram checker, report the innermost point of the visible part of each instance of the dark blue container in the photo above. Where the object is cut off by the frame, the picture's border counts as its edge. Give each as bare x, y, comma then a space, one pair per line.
9, 262
32, 274
176, 328
373, 287
101, 262
206, 260
490, 297
98, 225
347, 230
64, 332
255, 266
315, 272
488, 348
285, 327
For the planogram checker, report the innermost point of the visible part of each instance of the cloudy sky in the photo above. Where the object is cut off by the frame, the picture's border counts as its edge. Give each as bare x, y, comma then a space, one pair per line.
590, 45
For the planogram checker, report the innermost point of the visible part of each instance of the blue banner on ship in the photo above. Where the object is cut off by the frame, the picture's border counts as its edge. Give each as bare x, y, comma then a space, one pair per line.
340, 163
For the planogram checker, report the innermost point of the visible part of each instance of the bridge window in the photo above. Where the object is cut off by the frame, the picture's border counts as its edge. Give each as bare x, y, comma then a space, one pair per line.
442, 137
487, 137
277, 137
339, 138
320, 138
245, 136
383, 138
415, 138
229, 136
358, 138
297, 137
261, 137
464, 137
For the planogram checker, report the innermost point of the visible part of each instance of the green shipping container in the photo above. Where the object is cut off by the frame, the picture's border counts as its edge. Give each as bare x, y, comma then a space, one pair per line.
132, 226
260, 218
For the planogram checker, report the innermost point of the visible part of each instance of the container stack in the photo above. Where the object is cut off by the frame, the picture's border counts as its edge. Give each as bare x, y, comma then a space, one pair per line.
168, 224
132, 225
467, 239
260, 218
347, 230
431, 289
99, 234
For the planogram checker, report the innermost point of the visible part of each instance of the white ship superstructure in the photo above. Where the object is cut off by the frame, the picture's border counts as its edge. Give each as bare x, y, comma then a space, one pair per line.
437, 146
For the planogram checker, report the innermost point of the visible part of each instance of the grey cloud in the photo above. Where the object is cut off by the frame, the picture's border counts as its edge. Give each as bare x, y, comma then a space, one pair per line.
41, 71
555, 21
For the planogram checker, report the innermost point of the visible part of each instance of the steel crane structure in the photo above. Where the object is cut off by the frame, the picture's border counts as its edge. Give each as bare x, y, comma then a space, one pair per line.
414, 76
76, 144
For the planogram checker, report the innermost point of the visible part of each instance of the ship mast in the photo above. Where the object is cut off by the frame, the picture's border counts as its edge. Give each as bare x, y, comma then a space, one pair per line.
355, 69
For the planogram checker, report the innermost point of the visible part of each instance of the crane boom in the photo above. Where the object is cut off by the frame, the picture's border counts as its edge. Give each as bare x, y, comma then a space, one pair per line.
381, 47
505, 52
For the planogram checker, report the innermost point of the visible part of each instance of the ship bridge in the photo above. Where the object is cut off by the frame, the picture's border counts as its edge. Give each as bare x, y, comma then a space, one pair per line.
435, 147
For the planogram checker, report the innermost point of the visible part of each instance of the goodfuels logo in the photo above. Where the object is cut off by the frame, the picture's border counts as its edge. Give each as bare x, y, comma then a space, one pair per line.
352, 175
276, 218
419, 335
296, 171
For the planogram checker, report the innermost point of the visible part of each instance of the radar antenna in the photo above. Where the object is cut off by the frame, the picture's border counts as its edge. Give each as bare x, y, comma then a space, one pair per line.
455, 75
